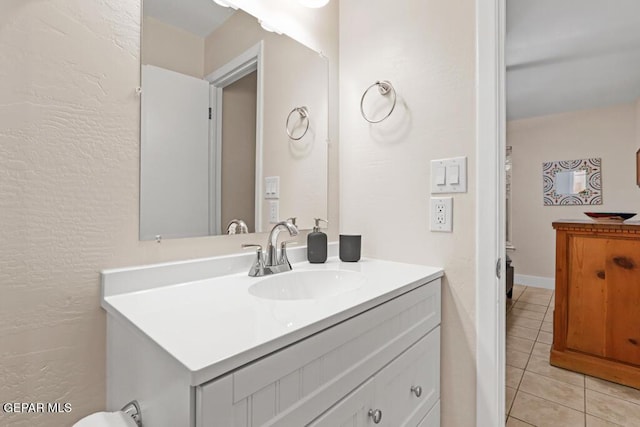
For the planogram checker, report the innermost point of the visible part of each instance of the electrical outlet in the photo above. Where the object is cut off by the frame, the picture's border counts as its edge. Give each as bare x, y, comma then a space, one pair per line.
274, 207
442, 214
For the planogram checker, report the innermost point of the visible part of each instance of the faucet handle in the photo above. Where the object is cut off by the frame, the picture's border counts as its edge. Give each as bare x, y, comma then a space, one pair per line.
258, 251
284, 260
258, 264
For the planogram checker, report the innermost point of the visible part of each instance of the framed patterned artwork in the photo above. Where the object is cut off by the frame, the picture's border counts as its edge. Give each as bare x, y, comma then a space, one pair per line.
572, 182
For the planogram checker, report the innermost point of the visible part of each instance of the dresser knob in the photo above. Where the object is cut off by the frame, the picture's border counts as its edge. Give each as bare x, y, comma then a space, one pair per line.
376, 415
417, 390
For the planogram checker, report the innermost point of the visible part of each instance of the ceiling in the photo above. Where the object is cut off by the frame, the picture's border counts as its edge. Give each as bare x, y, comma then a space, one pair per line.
199, 17
567, 55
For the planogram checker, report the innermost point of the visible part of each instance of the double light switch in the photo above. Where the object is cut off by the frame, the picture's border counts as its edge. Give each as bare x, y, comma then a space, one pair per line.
449, 175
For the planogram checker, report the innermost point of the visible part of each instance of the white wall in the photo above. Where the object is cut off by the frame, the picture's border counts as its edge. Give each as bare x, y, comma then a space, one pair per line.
69, 168
172, 48
608, 133
426, 49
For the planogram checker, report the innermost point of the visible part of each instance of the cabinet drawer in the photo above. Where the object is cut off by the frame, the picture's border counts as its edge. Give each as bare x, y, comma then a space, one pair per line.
352, 411
393, 392
410, 385
294, 386
432, 419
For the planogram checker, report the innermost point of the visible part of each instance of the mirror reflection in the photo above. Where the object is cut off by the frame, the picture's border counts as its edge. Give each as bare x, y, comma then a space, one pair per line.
571, 182
233, 124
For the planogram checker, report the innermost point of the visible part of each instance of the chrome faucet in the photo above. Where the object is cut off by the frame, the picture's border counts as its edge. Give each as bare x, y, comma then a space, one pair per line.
272, 241
237, 226
273, 264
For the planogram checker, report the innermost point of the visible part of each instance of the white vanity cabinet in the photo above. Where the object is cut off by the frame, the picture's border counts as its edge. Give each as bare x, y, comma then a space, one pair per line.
195, 348
382, 365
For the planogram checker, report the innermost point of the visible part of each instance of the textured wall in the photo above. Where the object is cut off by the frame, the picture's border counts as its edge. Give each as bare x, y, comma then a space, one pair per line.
426, 49
608, 133
69, 156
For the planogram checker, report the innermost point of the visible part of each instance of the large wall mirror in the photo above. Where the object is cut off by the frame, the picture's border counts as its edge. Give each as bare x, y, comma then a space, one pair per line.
234, 123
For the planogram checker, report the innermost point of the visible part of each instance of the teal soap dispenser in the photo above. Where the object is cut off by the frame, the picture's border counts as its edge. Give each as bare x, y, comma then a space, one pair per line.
317, 244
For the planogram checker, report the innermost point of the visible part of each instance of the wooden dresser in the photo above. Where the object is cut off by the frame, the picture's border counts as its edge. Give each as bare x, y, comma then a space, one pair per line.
596, 322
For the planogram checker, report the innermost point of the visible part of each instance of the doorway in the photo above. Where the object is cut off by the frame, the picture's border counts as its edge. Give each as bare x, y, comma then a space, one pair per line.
238, 149
237, 78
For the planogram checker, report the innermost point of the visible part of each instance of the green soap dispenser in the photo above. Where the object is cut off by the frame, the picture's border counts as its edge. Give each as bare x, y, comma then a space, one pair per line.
317, 244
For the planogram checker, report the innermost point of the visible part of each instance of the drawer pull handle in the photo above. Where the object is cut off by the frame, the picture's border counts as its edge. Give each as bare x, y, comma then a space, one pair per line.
376, 415
417, 390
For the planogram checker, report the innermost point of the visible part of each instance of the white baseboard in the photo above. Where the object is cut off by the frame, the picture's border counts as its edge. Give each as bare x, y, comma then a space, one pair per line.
535, 281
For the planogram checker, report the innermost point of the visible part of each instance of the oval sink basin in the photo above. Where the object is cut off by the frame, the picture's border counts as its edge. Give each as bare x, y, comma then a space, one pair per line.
297, 285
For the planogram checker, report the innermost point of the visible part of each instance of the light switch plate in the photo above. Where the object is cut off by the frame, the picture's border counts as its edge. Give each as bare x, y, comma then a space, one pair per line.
271, 187
454, 182
442, 214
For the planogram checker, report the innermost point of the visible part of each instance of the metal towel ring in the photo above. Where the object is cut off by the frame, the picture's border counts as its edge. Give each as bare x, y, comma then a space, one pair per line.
384, 87
304, 114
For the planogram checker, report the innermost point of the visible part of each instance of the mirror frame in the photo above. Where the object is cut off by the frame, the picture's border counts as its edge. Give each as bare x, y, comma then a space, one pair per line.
591, 196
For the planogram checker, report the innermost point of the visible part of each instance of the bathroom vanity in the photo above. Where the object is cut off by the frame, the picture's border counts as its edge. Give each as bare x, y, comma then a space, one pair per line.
201, 344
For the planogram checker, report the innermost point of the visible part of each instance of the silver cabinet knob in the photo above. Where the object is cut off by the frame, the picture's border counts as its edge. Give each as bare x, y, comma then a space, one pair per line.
417, 390
376, 415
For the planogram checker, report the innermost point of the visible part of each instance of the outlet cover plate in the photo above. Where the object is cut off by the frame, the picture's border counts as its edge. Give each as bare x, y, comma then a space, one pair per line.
274, 211
441, 214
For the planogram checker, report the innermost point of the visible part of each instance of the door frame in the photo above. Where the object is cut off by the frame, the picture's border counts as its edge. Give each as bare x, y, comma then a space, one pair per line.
490, 213
247, 62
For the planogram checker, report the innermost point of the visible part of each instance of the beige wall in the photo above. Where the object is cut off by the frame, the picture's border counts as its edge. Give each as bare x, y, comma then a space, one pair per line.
426, 49
69, 168
294, 76
638, 124
172, 48
239, 152
608, 133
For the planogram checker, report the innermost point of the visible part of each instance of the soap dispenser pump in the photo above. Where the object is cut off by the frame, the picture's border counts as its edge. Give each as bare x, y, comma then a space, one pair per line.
317, 244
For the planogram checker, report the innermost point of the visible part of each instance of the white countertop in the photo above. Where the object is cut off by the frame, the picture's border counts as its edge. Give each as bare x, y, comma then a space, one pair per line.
213, 326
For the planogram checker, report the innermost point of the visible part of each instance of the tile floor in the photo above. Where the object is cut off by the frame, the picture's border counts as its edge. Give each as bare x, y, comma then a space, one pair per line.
539, 394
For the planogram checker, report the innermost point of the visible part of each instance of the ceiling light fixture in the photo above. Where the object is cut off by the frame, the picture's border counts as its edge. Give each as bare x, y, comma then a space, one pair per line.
314, 3
268, 28
224, 3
